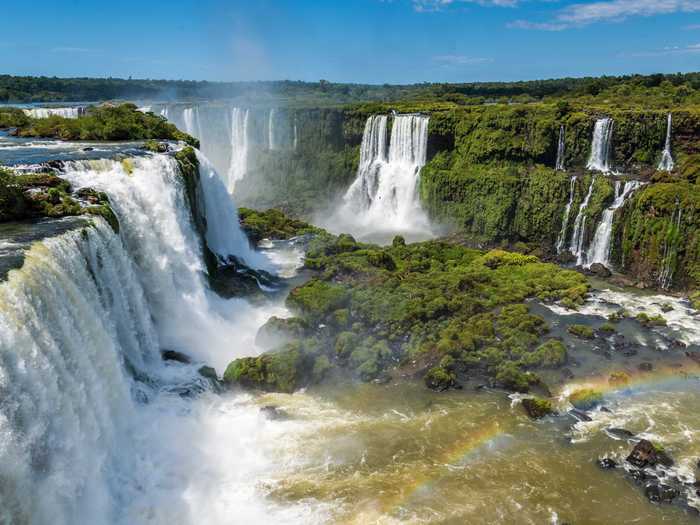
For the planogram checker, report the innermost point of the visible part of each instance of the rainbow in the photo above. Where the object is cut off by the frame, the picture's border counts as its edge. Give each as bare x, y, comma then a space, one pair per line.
662, 376
455, 456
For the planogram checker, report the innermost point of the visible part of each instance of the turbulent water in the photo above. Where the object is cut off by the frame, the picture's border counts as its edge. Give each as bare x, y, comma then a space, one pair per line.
600, 146
384, 196
666, 163
599, 249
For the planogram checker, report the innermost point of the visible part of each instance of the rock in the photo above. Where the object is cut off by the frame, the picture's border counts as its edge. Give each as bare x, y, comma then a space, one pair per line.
660, 493
646, 366
208, 372
567, 373
599, 270
580, 415
276, 331
645, 453
620, 433
537, 408
172, 355
586, 398
274, 413
88, 148
607, 463
640, 476
666, 307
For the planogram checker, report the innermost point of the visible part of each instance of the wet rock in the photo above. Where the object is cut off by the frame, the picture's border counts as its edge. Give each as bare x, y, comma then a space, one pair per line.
208, 372
599, 270
666, 307
173, 355
580, 415
660, 493
646, 454
89, 148
567, 373
678, 344
646, 366
607, 463
640, 476
274, 413
620, 433
537, 408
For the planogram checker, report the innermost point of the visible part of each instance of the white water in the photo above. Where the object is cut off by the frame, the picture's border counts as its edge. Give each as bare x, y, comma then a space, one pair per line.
665, 278
191, 118
576, 246
599, 249
600, 146
567, 213
559, 166
384, 195
239, 147
667, 163
271, 138
72, 112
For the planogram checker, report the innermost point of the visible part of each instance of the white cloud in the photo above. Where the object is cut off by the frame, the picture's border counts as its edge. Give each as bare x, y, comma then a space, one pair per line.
578, 15
460, 60
438, 5
692, 27
666, 51
73, 50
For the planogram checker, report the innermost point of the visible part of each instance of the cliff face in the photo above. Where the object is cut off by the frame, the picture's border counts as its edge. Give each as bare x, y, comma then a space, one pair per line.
490, 176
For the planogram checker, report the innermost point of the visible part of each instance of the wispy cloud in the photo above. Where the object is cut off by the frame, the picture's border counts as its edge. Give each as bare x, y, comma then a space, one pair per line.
583, 14
666, 51
423, 6
692, 27
460, 60
73, 50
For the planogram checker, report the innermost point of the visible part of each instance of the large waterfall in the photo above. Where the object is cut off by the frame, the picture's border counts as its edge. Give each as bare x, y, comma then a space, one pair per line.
71, 112
238, 165
576, 245
601, 145
667, 163
599, 249
384, 193
559, 166
567, 213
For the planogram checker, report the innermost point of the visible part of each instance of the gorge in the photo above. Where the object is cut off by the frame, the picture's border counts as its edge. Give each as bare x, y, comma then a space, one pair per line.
168, 357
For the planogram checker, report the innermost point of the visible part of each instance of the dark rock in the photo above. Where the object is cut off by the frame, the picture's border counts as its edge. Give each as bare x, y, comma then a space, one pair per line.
640, 476
678, 344
620, 433
88, 148
606, 410
659, 493
537, 408
172, 355
607, 463
646, 366
579, 414
599, 270
208, 372
567, 373
274, 412
646, 454
695, 356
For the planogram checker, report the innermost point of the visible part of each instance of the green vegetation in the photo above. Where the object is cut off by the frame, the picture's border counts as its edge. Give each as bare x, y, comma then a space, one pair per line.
272, 224
434, 310
538, 408
107, 122
650, 320
27, 196
581, 330
586, 398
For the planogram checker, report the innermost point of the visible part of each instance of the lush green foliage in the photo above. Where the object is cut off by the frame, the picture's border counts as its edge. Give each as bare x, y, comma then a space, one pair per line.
431, 309
106, 122
272, 224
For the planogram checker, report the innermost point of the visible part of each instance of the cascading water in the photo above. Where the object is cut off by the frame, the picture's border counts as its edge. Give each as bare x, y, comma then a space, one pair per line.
71, 316
72, 112
191, 119
599, 250
567, 213
239, 147
576, 246
559, 166
668, 258
383, 195
600, 146
667, 163
271, 137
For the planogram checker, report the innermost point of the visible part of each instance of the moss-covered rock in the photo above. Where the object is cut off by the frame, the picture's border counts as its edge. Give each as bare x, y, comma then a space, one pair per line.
586, 398
281, 371
581, 330
537, 408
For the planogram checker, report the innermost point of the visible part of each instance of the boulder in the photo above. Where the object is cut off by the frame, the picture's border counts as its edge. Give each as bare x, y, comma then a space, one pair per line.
274, 413
620, 433
607, 463
660, 493
646, 454
599, 270
173, 355
537, 408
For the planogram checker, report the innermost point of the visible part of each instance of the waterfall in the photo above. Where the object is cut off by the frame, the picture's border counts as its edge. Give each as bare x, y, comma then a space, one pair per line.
223, 231
576, 246
668, 259
667, 163
296, 134
191, 119
271, 142
72, 316
559, 166
600, 147
383, 195
567, 212
239, 147
72, 112
148, 197
599, 250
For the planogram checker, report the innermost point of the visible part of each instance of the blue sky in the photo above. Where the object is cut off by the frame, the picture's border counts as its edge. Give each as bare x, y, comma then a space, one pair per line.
372, 41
